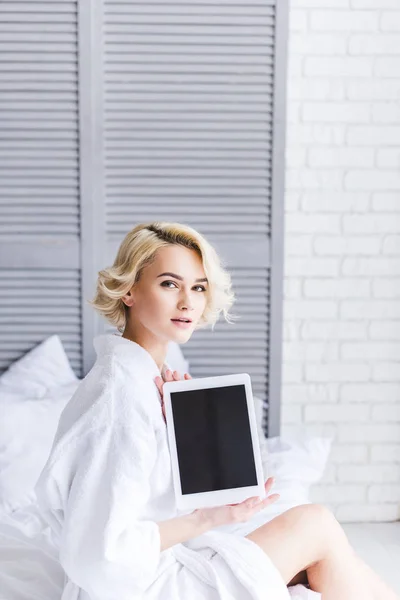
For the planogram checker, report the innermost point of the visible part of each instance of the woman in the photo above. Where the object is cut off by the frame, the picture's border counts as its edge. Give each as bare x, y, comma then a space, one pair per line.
106, 489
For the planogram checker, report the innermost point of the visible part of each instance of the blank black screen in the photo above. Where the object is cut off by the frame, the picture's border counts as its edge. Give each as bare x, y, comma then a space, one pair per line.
213, 439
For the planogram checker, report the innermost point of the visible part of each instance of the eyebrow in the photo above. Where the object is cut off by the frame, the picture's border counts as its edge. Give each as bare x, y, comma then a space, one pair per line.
179, 277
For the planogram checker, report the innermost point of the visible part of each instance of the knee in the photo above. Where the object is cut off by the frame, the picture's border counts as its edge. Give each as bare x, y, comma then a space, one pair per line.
320, 519
318, 516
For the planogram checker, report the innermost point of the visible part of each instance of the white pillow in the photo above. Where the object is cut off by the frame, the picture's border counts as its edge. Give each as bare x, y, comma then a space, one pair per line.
27, 430
37, 372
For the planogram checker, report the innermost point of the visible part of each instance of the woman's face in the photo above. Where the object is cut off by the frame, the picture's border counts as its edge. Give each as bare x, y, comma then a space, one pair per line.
157, 298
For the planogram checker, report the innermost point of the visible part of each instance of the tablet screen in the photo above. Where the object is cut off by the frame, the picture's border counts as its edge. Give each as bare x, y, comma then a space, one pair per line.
213, 439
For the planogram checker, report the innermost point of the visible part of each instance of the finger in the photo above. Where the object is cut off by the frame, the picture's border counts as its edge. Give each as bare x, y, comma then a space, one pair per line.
176, 375
168, 375
270, 499
269, 483
159, 383
187, 376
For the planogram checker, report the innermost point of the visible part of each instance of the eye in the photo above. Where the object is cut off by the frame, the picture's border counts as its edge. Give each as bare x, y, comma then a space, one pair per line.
165, 284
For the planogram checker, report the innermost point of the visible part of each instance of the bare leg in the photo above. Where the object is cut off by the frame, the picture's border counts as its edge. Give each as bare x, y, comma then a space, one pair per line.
309, 538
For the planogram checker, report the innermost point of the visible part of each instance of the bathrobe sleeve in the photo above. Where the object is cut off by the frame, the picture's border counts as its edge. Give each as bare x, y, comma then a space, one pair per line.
106, 547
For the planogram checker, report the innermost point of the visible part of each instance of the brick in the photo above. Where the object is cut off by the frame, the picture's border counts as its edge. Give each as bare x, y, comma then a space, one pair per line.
386, 413
370, 351
290, 331
303, 393
330, 474
374, 44
334, 330
370, 392
369, 267
386, 66
353, 309
311, 309
389, 159
341, 288
310, 351
320, 3
385, 330
336, 112
349, 454
292, 373
343, 20
386, 112
339, 494
299, 245
292, 288
291, 413
386, 202
384, 492
293, 115
386, 371
337, 66
357, 513
371, 223
292, 201
341, 157
374, 4
347, 245
373, 90
372, 180
302, 88
314, 179
295, 157
298, 20
385, 453
338, 413
391, 245
317, 44
337, 372
312, 223
325, 430
311, 267
341, 202
373, 135
368, 473
374, 432
331, 135
390, 20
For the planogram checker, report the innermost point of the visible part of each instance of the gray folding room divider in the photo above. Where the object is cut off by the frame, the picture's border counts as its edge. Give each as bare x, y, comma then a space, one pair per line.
114, 113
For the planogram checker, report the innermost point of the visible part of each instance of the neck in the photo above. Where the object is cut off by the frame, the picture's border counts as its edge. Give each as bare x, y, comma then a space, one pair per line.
154, 346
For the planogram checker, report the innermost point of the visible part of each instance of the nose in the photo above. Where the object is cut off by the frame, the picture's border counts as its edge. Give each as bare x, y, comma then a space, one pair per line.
185, 301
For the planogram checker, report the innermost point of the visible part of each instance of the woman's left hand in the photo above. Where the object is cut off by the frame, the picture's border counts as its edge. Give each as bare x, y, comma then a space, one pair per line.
169, 376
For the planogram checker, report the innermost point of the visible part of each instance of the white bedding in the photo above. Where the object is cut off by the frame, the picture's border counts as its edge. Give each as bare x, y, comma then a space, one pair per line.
29, 567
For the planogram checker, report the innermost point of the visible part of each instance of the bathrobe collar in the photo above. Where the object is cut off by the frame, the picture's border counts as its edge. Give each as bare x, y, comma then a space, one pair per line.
128, 351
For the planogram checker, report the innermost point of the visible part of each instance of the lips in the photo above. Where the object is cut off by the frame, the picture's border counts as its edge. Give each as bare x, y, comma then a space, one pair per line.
182, 320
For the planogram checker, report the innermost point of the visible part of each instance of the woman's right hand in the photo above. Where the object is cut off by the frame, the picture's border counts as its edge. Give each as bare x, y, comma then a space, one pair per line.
237, 513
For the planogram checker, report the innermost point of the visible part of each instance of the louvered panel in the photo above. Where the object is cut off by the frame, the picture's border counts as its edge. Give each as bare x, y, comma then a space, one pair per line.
37, 303
39, 169
188, 115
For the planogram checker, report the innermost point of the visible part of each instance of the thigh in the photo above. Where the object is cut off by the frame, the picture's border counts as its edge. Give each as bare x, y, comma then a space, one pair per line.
297, 539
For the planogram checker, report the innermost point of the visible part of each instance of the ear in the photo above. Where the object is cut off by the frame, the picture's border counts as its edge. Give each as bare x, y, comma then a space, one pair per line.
128, 299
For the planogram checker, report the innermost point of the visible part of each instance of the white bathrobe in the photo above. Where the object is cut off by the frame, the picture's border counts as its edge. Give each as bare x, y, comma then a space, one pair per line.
107, 483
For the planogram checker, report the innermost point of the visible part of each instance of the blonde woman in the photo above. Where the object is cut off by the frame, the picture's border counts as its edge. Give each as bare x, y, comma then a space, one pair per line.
106, 489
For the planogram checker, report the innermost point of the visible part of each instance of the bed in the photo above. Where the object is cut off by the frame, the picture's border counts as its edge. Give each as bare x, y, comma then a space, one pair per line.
33, 392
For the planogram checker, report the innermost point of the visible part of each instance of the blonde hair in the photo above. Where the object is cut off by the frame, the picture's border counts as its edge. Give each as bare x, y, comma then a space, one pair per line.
138, 249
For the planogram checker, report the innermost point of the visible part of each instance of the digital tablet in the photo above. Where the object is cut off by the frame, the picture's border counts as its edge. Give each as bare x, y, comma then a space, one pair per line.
213, 441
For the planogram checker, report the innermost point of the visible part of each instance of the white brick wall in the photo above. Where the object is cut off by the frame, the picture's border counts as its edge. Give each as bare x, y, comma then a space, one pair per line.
341, 370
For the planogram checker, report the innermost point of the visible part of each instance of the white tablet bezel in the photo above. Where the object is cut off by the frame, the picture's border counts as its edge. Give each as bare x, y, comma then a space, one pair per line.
218, 497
